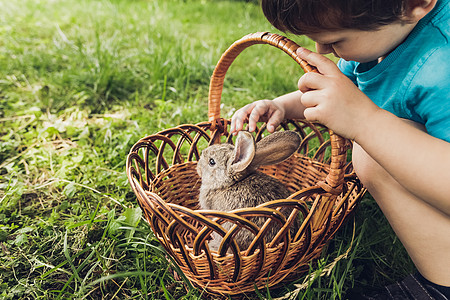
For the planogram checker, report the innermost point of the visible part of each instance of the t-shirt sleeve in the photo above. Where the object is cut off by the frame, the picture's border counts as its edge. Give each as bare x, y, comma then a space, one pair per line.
432, 95
348, 68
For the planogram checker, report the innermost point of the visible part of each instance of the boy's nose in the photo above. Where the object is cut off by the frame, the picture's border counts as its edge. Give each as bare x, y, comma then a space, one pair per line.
324, 48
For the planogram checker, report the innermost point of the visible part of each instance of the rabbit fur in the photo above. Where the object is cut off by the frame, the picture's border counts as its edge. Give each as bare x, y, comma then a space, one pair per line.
230, 180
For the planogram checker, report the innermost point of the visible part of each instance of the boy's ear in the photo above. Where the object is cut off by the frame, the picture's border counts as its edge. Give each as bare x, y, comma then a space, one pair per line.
417, 9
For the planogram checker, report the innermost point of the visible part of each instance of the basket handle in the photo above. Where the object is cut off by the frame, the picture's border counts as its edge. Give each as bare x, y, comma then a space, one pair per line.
335, 178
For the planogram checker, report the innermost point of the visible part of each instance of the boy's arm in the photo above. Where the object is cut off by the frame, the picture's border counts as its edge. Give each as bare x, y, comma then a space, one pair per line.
417, 160
292, 105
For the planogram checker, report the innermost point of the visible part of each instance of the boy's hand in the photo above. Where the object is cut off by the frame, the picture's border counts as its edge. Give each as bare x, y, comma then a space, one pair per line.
259, 111
332, 99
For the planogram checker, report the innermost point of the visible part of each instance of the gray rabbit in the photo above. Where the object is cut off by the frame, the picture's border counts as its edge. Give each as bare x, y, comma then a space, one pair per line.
230, 179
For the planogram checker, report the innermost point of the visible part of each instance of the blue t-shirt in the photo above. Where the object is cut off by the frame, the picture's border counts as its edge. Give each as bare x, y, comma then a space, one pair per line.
413, 81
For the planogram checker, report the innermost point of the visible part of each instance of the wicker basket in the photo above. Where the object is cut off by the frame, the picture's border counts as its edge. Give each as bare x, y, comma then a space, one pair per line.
161, 169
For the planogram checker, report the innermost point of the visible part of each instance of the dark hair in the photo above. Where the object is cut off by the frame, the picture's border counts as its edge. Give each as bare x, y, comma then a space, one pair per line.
310, 16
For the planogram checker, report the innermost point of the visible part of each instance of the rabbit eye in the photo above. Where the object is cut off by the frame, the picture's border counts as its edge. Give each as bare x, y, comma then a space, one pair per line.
212, 162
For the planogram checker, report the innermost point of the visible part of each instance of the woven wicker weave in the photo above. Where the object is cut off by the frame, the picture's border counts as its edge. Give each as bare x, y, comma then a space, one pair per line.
161, 169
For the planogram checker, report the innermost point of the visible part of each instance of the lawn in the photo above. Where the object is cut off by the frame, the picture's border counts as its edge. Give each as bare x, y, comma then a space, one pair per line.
80, 83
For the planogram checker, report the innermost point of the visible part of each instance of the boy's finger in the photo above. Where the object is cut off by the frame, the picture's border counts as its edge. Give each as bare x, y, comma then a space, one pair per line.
311, 114
311, 81
274, 121
238, 119
310, 99
259, 110
323, 64
233, 125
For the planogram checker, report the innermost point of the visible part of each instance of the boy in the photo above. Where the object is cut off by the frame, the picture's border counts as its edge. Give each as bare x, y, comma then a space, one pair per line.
390, 94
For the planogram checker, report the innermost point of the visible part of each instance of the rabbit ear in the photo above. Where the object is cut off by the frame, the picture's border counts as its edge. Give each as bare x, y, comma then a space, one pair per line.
275, 148
244, 152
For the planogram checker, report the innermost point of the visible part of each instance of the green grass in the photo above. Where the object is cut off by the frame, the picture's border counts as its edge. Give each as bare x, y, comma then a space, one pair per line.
80, 83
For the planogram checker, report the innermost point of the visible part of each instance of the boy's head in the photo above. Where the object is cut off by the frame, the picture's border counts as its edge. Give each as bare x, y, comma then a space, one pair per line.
309, 16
